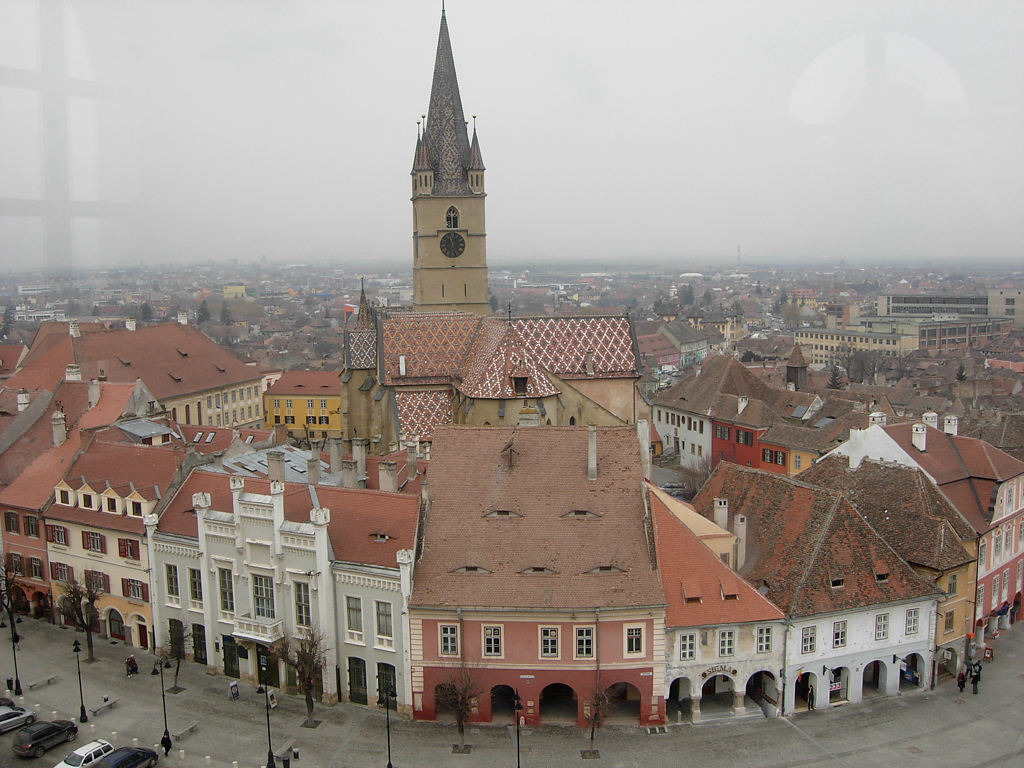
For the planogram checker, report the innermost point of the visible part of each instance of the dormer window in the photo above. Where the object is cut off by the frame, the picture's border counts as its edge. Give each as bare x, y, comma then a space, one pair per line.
86, 500
606, 569
881, 578
379, 536
504, 513
519, 385
537, 569
471, 569
451, 218
583, 514
837, 582
65, 497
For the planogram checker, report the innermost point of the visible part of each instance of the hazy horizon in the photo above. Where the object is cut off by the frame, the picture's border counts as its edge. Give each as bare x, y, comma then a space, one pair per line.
667, 133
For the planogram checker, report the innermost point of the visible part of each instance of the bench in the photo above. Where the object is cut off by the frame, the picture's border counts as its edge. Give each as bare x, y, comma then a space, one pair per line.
285, 751
42, 682
185, 731
107, 704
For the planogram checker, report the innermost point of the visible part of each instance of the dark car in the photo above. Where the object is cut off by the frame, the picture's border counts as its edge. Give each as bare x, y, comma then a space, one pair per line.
35, 739
128, 757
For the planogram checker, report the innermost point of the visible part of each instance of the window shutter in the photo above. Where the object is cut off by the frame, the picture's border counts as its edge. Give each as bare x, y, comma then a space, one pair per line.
124, 587
122, 547
85, 539
106, 583
71, 573
145, 592
49, 533
103, 544
53, 569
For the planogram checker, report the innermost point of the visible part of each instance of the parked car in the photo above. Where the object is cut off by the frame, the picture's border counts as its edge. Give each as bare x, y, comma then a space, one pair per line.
38, 737
15, 717
87, 755
128, 757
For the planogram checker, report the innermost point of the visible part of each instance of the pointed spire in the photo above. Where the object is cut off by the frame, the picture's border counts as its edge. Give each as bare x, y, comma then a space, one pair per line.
421, 159
476, 160
445, 137
363, 320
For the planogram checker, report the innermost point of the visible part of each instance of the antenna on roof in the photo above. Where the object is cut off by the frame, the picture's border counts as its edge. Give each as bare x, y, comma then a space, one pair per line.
510, 313
474, 123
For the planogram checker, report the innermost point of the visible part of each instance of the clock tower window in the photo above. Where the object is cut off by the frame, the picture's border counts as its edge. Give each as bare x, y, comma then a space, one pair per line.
452, 218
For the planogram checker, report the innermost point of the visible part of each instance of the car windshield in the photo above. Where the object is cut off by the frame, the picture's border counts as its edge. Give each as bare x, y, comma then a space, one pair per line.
74, 759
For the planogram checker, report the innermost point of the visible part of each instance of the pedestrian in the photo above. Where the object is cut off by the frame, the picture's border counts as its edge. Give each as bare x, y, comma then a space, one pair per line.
165, 742
961, 680
975, 677
977, 669
810, 697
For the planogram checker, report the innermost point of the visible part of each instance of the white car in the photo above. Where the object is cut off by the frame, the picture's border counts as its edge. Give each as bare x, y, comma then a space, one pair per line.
87, 754
15, 717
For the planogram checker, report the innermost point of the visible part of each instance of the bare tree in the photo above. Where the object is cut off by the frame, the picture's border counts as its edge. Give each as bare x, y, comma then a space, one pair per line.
843, 355
79, 606
695, 474
306, 653
459, 693
8, 582
595, 710
865, 363
178, 637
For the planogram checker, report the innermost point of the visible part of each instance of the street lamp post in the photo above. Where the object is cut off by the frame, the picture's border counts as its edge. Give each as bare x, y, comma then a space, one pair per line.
517, 707
158, 669
77, 648
15, 639
389, 694
265, 690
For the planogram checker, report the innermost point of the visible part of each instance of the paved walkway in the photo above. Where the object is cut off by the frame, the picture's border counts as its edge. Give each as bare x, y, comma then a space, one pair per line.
937, 729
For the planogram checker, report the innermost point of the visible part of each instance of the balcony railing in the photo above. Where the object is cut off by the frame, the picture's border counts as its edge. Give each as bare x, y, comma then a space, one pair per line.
260, 630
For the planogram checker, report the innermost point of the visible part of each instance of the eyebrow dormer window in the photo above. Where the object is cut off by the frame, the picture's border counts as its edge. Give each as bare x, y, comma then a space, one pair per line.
452, 218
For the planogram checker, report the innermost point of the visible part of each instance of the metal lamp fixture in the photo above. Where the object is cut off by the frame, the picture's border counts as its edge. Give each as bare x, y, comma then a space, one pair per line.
77, 648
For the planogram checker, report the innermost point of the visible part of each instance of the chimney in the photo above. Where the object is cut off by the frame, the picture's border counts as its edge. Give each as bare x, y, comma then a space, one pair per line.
23, 399
72, 372
950, 425
931, 418
360, 445
401, 365
919, 436
129, 324
94, 393
387, 476
589, 362
643, 433
275, 466
313, 468
74, 330
410, 459
183, 318
60, 429
592, 453
334, 447
722, 513
741, 403
740, 529
349, 473
877, 417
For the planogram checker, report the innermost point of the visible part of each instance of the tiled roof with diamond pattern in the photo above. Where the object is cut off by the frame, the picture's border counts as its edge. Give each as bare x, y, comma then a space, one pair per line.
419, 413
561, 344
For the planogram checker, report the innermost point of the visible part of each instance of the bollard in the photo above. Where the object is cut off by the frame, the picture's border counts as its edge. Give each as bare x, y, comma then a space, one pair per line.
234, 764
181, 755
53, 714
92, 728
113, 737
135, 742
207, 759
295, 753
286, 762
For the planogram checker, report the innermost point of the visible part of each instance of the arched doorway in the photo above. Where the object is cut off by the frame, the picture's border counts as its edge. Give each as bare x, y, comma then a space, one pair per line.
115, 625
838, 685
678, 708
717, 696
623, 703
41, 602
875, 675
20, 600
912, 672
558, 704
502, 699
804, 692
763, 691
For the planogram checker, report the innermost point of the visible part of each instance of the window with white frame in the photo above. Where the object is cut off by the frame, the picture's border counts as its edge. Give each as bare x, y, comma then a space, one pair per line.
60, 535
634, 640
913, 620
950, 620
136, 590
839, 634
492, 640
995, 591
808, 639
951, 585
353, 619
549, 642
35, 568
263, 597
171, 581
726, 642
981, 595
94, 542
982, 553
584, 642
385, 632
997, 547
227, 590
449, 639
195, 585
881, 626
687, 646
303, 610
1006, 583
764, 639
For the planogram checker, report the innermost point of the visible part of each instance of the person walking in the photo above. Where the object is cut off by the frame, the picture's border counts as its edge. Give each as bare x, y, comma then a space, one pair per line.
165, 742
961, 680
975, 677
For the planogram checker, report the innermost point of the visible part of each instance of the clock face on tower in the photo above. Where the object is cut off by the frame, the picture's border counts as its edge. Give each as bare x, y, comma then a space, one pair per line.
452, 245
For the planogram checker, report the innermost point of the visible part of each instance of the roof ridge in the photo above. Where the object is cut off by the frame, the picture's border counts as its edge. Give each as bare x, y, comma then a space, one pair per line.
814, 555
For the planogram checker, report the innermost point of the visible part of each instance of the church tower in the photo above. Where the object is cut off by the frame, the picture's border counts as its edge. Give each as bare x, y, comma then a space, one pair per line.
449, 260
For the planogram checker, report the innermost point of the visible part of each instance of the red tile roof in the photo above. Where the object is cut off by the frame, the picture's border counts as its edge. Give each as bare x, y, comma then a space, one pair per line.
420, 412
686, 564
800, 537
307, 384
539, 477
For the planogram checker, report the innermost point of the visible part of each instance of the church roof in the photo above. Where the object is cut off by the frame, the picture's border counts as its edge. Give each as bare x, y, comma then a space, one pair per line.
796, 358
446, 139
476, 160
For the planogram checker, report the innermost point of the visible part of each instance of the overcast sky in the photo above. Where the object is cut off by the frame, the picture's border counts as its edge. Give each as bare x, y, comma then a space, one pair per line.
617, 131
